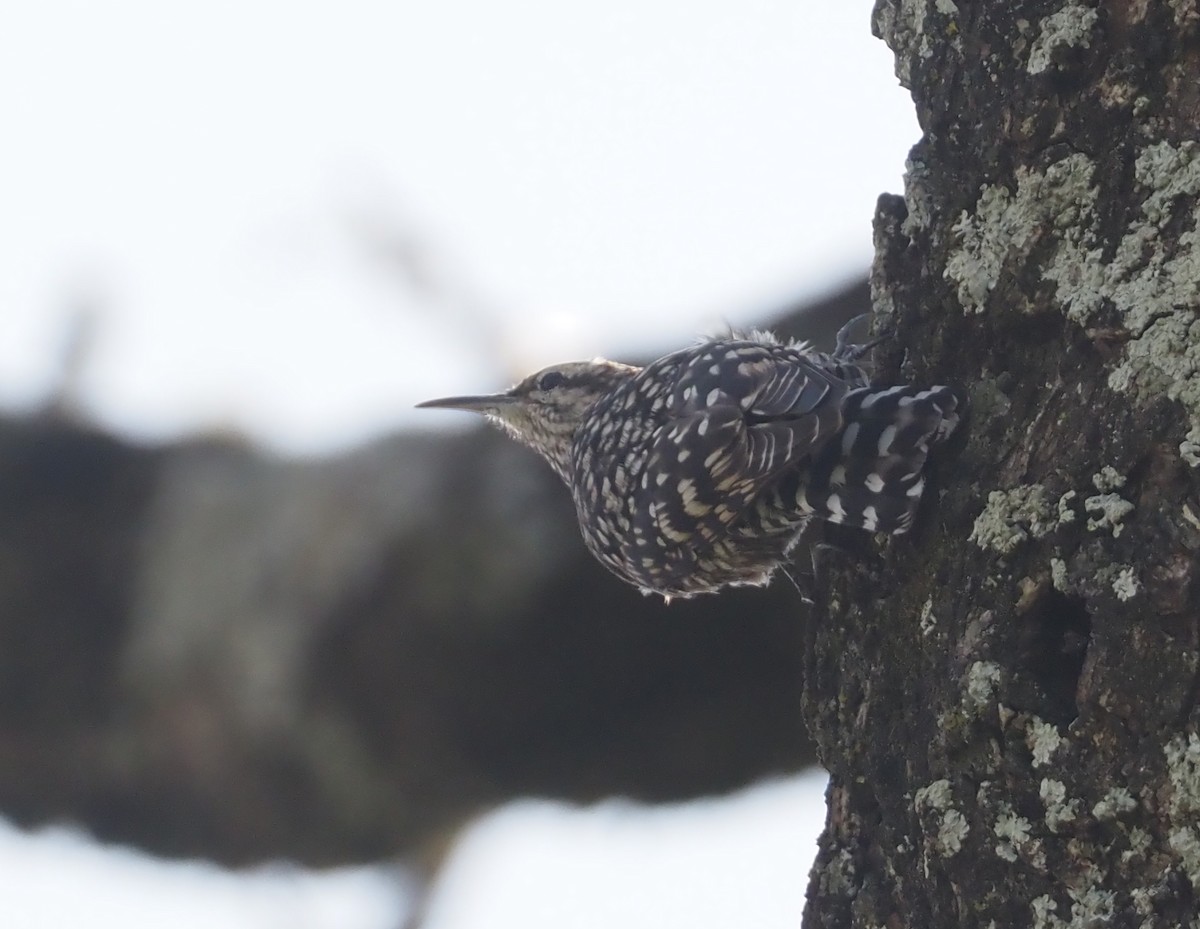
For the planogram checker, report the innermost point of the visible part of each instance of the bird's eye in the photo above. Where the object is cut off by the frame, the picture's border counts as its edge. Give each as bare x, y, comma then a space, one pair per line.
550, 380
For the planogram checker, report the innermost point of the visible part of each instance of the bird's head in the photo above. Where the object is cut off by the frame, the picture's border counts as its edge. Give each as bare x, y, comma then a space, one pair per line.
545, 410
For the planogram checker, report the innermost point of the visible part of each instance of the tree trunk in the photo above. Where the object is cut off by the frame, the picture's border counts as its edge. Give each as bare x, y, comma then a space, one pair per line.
1006, 700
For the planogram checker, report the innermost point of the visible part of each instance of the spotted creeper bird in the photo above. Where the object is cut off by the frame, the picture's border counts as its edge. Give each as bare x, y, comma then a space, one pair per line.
700, 470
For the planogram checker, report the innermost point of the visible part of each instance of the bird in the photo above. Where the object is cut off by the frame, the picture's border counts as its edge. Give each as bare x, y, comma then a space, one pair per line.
700, 470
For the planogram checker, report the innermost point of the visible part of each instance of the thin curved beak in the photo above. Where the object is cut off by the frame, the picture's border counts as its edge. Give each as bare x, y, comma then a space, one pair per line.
487, 403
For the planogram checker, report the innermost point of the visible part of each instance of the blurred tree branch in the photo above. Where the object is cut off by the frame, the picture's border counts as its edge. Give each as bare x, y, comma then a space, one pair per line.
208, 651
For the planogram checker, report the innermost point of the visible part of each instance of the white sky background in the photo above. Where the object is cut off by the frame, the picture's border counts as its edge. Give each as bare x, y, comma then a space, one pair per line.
224, 188
737, 861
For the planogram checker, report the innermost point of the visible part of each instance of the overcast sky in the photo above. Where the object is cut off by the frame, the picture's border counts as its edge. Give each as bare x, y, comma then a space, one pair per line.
295, 220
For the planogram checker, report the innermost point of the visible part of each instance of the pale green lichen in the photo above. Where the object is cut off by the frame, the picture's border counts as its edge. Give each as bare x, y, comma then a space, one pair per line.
1070, 26
1183, 770
1185, 842
1150, 276
1013, 832
918, 199
903, 26
1139, 844
1169, 172
1116, 801
838, 877
1007, 849
1043, 740
1186, 14
1108, 511
952, 830
1059, 809
952, 825
1139, 280
1143, 901
927, 622
1126, 585
1091, 906
1066, 512
1005, 226
1043, 909
935, 796
1012, 516
1152, 282
1189, 448
1107, 479
1058, 575
982, 679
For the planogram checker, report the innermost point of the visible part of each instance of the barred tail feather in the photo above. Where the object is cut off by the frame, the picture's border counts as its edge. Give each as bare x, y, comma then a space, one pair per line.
871, 476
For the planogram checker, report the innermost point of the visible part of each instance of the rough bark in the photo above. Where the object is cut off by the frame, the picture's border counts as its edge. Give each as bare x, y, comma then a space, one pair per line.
1008, 702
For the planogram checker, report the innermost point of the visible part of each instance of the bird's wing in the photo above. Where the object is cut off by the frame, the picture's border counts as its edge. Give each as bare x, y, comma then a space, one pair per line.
777, 405
737, 415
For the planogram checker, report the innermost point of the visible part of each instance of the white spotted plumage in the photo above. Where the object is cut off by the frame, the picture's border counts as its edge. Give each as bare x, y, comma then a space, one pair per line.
700, 470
